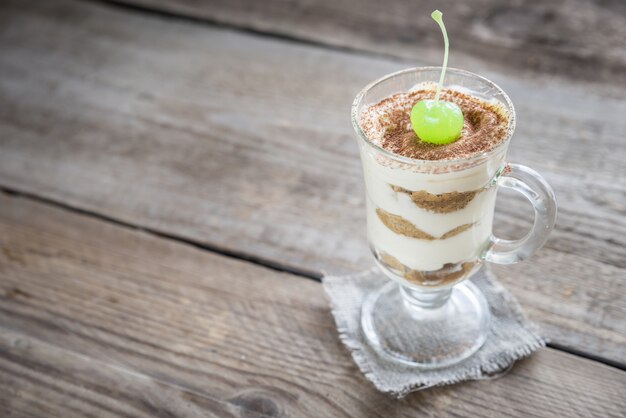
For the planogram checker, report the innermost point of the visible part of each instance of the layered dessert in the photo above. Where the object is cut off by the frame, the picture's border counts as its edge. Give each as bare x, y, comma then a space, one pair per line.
430, 207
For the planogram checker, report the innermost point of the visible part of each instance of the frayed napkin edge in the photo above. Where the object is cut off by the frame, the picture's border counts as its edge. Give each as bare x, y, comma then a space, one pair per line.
494, 369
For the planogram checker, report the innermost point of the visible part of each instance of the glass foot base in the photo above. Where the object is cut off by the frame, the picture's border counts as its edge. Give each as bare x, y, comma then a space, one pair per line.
429, 329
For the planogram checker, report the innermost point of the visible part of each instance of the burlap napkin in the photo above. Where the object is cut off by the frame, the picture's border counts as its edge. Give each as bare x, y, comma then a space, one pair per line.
511, 336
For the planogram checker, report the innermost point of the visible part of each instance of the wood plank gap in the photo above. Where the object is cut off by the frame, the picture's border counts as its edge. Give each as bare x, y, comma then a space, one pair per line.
589, 356
490, 30
207, 21
272, 265
239, 255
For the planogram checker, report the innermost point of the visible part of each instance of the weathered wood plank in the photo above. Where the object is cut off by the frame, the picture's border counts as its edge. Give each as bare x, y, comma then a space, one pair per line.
166, 315
582, 39
39, 379
245, 144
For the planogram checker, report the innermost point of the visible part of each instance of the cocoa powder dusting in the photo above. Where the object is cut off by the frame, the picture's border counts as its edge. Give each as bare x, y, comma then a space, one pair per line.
388, 124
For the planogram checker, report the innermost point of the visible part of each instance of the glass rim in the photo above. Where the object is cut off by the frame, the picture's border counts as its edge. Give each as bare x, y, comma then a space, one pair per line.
415, 161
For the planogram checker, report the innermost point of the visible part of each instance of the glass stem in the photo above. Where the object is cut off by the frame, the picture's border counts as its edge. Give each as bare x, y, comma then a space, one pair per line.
424, 299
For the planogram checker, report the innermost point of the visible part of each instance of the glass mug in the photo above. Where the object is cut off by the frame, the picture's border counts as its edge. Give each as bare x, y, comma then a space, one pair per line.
429, 226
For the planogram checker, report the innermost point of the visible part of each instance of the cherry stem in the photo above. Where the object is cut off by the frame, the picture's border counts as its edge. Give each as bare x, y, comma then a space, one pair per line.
438, 17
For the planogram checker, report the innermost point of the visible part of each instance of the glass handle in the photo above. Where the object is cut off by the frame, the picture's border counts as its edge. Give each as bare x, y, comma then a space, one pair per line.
532, 185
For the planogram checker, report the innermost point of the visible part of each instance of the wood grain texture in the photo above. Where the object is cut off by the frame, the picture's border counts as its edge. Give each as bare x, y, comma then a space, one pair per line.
91, 312
245, 144
582, 39
40, 379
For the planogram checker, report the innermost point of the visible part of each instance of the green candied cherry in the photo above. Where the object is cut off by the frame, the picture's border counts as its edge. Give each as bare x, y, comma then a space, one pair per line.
437, 121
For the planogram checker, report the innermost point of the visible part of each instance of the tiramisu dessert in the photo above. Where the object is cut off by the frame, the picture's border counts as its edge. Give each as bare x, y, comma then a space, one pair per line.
433, 155
429, 226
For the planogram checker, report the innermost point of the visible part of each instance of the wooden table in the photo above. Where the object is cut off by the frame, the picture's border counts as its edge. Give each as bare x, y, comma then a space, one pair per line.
177, 175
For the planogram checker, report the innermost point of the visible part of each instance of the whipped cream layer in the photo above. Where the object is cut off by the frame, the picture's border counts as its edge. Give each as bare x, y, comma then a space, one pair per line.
383, 182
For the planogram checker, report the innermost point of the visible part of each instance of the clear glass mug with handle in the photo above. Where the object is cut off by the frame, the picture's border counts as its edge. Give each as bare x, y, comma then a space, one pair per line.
429, 227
